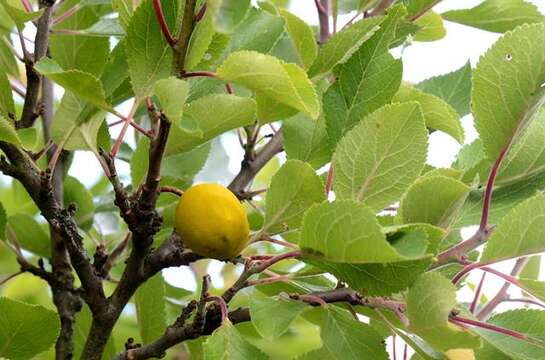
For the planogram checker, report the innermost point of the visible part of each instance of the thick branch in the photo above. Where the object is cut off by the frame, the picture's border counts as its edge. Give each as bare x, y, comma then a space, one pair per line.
250, 167
31, 107
181, 330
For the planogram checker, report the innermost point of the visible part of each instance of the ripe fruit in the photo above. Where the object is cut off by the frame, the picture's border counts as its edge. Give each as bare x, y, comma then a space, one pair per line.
460, 354
212, 222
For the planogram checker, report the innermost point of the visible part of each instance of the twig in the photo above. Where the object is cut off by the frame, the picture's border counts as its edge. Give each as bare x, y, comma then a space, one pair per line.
250, 167
171, 189
2, 282
162, 23
223, 306
502, 294
323, 18
329, 180
121, 135
68, 13
200, 14
477, 295
526, 301
311, 299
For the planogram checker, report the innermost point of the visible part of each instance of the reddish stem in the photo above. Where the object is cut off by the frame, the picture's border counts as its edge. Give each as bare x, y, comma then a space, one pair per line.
321, 8
172, 190
26, 5
10, 277
477, 296
483, 267
483, 227
269, 280
329, 180
128, 121
483, 325
162, 23
456, 279
228, 87
68, 13
121, 121
200, 14
405, 352
527, 301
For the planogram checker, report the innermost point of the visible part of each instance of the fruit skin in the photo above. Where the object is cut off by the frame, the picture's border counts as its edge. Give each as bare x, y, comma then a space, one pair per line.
212, 222
460, 354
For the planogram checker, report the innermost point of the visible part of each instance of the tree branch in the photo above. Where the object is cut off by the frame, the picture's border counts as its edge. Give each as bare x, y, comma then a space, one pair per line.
250, 167
31, 107
502, 295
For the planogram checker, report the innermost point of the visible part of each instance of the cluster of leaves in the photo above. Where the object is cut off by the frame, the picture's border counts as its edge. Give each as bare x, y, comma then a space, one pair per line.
349, 125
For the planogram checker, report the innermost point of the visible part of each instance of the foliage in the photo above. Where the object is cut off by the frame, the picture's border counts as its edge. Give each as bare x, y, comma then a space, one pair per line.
350, 224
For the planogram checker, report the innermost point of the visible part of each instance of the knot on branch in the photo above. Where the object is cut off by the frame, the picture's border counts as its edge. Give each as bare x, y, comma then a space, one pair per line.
100, 258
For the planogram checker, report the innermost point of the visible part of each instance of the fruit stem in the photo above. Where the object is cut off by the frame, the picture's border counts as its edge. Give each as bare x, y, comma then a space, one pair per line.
162, 23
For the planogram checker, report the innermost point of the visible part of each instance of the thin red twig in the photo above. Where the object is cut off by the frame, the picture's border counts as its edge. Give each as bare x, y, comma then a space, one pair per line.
10, 277
27, 5
526, 301
329, 180
162, 23
200, 14
477, 295
128, 120
483, 325
68, 13
394, 352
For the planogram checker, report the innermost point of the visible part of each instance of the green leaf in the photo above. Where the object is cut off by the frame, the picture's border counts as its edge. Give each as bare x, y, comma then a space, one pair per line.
528, 322
294, 188
73, 52
531, 270
29, 234
340, 47
380, 157
431, 27
75, 192
172, 94
534, 287
83, 84
260, 31
273, 316
302, 37
148, 54
429, 303
227, 343
306, 140
346, 232
200, 40
417, 7
18, 14
7, 107
8, 133
382, 279
208, 117
76, 124
454, 88
103, 28
344, 337
367, 81
125, 10
286, 83
182, 166
26, 330
434, 200
497, 15
438, 114
228, 13
519, 233
526, 157
473, 161
507, 86
150, 308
